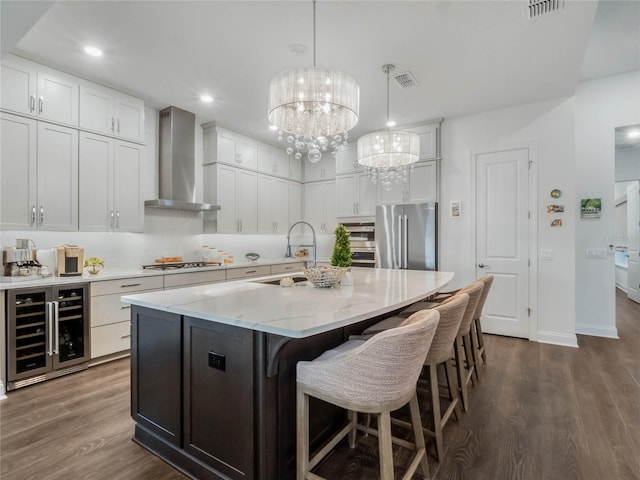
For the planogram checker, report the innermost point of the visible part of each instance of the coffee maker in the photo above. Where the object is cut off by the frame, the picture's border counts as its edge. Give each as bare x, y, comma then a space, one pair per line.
21, 259
69, 260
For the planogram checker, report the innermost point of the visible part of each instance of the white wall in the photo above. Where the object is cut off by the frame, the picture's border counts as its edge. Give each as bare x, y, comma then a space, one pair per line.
601, 106
549, 127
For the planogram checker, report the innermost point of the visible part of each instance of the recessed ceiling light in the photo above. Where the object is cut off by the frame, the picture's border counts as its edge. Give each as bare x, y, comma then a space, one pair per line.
391, 123
272, 127
206, 98
93, 51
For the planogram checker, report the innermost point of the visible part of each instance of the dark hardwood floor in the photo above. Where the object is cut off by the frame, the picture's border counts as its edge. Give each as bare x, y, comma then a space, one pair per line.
541, 412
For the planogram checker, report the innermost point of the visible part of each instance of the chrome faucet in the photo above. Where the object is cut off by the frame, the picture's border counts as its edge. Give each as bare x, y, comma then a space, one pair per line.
288, 254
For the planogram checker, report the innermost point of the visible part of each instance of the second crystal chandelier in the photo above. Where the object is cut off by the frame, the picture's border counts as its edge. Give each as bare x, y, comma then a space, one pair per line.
387, 155
314, 108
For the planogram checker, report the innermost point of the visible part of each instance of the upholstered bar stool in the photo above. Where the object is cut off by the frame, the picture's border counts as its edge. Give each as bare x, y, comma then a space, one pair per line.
375, 376
463, 347
477, 337
451, 314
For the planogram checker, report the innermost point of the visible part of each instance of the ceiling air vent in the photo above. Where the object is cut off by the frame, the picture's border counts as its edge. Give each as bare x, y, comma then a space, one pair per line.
405, 80
541, 7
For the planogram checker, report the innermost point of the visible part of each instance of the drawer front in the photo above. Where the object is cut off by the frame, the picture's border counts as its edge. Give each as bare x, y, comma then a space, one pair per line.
126, 285
108, 309
108, 339
193, 278
287, 267
248, 272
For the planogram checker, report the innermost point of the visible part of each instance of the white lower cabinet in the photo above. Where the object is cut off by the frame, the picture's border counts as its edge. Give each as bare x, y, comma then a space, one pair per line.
248, 272
111, 318
287, 268
109, 187
190, 279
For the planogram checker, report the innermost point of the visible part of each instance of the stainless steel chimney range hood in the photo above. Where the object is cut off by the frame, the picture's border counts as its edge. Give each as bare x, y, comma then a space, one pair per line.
176, 173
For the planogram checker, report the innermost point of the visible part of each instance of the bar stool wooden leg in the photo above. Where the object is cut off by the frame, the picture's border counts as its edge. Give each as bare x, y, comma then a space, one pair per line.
472, 371
353, 420
435, 410
419, 435
480, 336
385, 446
460, 368
302, 430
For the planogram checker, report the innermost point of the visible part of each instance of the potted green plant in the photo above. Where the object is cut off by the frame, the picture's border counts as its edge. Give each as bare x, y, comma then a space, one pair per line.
341, 256
94, 265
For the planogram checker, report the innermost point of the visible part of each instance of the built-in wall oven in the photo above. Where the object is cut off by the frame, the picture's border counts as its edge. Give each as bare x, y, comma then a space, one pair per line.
363, 243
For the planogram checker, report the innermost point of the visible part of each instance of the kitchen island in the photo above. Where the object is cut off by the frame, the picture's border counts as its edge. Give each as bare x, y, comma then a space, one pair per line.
213, 366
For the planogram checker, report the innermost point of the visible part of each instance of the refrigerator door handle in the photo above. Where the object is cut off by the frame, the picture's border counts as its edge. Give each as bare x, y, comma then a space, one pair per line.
405, 243
56, 340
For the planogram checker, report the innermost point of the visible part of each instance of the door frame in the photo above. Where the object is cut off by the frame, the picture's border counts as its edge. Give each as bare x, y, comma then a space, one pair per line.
532, 224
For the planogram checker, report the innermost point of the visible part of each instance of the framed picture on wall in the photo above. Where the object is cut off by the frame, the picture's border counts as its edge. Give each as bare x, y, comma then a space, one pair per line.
590, 207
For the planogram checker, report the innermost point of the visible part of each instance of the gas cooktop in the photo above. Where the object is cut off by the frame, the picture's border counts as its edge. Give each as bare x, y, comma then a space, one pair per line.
176, 265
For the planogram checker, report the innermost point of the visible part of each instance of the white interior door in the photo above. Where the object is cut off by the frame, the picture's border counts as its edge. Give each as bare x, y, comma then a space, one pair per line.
502, 238
633, 239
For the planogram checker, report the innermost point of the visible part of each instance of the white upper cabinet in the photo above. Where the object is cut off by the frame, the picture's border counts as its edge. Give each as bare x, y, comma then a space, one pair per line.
356, 194
39, 175
320, 206
273, 161
273, 205
235, 190
295, 168
346, 160
18, 164
421, 186
107, 111
113, 203
325, 169
225, 146
31, 89
429, 140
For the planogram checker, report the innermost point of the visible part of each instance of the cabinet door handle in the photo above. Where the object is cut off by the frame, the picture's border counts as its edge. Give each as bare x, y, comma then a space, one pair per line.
125, 307
130, 285
250, 271
117, 218
41, 105
128, 335
118, 126
41, 214
112, 219
276, 229
32, 103
241, 225
33, 214
113, 129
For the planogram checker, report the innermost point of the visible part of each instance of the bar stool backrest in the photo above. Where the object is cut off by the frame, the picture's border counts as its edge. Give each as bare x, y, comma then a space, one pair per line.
487, 280
451, 314
383, 371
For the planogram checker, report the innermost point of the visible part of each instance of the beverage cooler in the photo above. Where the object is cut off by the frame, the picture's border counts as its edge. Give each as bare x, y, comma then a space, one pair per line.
47, 333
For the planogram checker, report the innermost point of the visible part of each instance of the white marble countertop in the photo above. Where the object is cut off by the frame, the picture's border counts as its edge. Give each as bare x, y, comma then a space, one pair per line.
8, 283
302, 310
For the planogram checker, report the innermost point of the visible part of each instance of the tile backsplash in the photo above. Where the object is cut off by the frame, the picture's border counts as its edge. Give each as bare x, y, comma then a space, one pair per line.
166, 233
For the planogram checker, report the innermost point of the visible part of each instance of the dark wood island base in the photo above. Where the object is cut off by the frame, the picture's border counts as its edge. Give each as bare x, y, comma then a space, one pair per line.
218, 401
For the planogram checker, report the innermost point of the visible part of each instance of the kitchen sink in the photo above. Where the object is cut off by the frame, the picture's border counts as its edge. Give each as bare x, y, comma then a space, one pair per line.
276, 281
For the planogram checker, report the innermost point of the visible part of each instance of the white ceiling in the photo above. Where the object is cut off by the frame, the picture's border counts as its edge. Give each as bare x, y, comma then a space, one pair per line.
467, 56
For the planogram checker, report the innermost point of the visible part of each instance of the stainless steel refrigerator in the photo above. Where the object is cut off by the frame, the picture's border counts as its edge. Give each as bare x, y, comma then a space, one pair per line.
406, 236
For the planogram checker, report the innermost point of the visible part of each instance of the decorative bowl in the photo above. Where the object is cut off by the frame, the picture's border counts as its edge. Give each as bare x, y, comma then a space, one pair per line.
252, 257
325, 277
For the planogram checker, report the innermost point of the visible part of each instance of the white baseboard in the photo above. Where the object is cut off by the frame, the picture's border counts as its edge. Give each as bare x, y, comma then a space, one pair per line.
565, 340
597, 331
2, 391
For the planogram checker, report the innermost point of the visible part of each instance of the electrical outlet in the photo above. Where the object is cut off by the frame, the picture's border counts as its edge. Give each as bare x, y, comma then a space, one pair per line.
217, 361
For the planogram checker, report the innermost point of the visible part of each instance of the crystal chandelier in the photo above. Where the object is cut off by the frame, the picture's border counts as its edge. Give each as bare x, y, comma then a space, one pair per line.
313, 107
388, 155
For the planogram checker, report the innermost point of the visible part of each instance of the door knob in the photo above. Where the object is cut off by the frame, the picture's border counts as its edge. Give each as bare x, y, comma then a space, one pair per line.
482, 265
